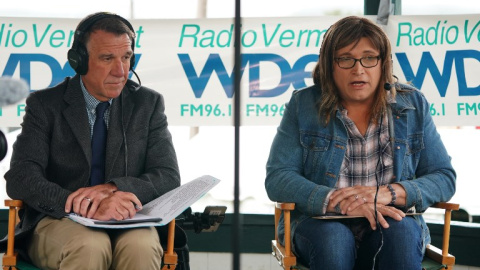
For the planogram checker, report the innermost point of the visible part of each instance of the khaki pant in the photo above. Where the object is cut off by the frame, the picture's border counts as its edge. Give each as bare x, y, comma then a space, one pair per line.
64, 244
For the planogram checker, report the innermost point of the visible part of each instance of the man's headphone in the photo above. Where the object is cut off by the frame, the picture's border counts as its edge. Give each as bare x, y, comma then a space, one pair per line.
78, 54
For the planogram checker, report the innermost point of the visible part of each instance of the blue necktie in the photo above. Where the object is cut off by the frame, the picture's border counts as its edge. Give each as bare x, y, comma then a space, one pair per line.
99, 142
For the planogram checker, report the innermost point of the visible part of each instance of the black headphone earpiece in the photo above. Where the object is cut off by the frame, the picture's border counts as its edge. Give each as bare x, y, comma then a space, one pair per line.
78, 54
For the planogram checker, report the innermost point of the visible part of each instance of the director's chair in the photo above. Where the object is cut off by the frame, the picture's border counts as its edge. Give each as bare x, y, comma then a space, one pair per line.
435, 259
11, 261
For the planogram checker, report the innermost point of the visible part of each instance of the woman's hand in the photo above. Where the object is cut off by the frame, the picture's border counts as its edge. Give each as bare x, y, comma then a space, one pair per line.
367, 210
353, 197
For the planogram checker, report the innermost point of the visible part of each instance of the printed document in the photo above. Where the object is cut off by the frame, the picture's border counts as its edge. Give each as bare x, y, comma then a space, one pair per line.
160, 211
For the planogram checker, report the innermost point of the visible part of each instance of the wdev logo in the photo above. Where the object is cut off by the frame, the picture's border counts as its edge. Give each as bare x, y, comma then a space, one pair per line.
441, 80
295, 75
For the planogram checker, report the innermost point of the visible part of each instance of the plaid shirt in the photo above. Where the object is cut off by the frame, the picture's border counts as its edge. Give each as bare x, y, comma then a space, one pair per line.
367, 159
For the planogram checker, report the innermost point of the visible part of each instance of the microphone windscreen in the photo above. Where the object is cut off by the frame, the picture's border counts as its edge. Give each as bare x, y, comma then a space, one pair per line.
387, 86
12, 90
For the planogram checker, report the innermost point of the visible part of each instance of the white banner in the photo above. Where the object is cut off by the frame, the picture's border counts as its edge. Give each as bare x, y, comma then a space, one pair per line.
191, 63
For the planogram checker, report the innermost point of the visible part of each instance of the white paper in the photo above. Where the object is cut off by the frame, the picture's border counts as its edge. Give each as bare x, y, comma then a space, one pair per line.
91, 222
167, 207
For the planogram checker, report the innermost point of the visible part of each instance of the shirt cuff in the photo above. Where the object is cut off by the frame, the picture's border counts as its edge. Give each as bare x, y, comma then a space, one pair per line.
327, 200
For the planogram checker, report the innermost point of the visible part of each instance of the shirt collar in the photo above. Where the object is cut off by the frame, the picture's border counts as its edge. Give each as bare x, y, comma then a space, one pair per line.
90, 100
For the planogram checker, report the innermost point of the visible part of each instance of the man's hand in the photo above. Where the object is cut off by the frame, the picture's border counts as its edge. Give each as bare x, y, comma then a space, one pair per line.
119, 206
88, 199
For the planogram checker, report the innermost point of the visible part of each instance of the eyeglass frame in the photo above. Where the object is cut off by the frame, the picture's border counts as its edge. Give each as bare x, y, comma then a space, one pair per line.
357, 60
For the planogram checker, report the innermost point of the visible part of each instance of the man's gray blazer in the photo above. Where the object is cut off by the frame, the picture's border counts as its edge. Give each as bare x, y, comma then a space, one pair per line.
52, 155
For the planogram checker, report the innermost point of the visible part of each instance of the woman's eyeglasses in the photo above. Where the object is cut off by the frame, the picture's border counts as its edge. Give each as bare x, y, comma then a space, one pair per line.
349, 62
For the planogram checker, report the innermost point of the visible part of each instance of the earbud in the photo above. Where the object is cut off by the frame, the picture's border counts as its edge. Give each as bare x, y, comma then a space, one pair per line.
387, 86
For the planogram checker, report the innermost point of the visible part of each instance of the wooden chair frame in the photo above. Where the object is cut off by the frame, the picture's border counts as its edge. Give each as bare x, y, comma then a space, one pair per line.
10, 258
287, 259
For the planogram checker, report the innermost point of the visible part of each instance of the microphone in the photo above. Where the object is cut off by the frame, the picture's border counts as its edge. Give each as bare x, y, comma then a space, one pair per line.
12, 90
387, 86
139, 82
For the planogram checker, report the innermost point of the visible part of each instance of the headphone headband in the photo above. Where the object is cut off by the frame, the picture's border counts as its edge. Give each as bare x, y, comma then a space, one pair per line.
78, 54
88, 22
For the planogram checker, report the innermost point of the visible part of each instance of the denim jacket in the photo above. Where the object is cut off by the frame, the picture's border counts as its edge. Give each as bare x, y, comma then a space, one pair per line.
306, 156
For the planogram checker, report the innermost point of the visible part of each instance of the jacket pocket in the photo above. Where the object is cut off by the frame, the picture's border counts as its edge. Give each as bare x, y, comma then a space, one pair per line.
314, 147
415, 144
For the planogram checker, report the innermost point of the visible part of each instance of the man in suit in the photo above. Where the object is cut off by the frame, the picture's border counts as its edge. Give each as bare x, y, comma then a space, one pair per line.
54, 162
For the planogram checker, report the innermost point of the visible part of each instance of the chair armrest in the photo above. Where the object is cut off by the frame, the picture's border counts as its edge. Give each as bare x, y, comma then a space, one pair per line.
10, 257
446, 206
14, 203
285, 206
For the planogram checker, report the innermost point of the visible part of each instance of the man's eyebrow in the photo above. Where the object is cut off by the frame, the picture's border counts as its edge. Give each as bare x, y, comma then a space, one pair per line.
106, 55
